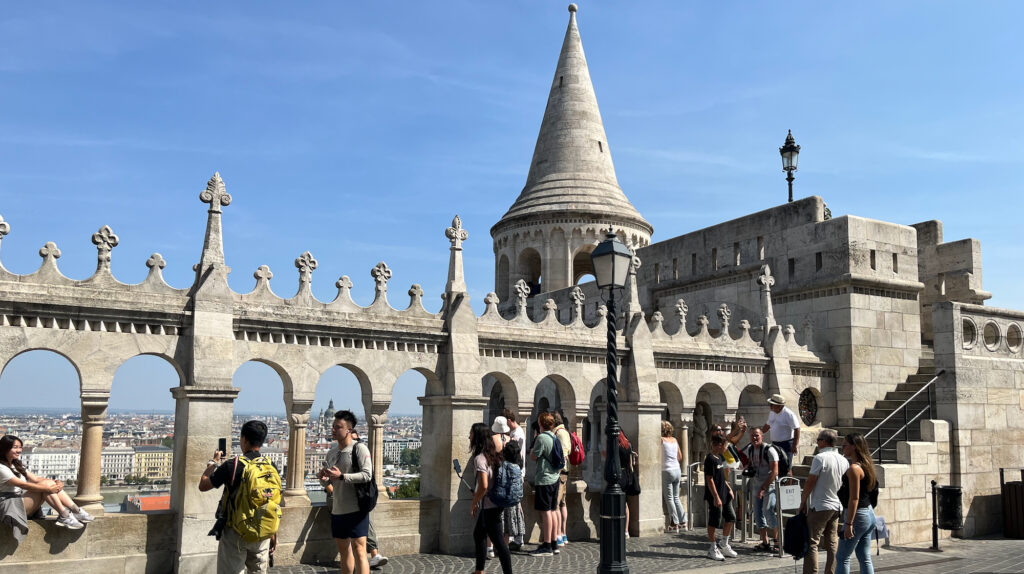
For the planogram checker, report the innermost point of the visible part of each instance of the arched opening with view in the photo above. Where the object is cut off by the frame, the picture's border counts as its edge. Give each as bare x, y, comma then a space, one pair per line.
582, 265
402, 436
341, 387
529, 269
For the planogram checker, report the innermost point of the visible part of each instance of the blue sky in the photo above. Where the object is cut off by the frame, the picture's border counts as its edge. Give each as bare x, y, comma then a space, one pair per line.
357, 130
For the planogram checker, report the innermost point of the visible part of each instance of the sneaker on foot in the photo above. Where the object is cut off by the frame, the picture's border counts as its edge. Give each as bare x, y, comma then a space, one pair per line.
378, 561
714, 553
83, 516
490, 553
559, 542
70, 522
515, 546
555, 550
541, 551
726, 550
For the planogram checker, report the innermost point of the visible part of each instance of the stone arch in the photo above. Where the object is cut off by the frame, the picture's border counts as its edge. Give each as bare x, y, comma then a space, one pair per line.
74, 365
501, 392
670, 396
582, 266
753, 406
502, 281
255, 378
528, 268
713, 397
361, 379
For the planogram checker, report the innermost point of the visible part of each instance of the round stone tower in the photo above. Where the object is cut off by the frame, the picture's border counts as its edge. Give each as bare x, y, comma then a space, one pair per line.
571, 195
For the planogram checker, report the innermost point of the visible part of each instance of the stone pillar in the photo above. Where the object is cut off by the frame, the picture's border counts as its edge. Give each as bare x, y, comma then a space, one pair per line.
642, 425
446, 421
94, 414
582, 409
201, 417
298, 421
378, 416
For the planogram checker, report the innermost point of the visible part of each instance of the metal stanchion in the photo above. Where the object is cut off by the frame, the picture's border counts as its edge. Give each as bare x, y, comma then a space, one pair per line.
690, 478
778, 515
743, 508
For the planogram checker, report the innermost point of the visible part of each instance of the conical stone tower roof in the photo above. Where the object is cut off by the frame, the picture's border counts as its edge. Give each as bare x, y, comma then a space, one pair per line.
572, 174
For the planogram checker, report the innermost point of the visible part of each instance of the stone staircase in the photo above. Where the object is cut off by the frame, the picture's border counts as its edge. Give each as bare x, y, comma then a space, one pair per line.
883, 408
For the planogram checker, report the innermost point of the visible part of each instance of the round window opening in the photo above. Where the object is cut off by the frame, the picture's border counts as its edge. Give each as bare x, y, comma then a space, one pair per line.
991, 336
1014, 337
970, 333
808, 407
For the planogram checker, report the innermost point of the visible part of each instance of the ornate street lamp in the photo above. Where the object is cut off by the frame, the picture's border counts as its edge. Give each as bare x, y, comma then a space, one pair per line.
790, 152
611, 261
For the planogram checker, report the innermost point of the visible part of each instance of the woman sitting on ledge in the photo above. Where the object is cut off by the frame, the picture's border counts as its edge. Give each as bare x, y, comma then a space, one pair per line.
22, 493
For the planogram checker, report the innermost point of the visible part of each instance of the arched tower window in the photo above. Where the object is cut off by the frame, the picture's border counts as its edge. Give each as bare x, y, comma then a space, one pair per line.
529, 269
501, 283
582, 266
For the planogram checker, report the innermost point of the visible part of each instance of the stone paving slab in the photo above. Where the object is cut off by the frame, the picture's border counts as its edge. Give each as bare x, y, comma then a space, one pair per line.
671, 554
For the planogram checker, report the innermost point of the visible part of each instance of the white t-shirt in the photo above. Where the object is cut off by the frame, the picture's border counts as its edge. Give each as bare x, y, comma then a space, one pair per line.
6, 474
782, 424
829, 466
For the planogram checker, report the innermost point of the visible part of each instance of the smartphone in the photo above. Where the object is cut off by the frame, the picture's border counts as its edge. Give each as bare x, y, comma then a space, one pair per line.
222, 445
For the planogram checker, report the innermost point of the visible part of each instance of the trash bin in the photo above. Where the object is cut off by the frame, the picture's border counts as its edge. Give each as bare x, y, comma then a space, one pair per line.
950, 503
1013, 505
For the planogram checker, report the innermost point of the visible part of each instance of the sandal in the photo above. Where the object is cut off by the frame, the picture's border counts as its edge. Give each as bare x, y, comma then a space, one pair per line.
763, 547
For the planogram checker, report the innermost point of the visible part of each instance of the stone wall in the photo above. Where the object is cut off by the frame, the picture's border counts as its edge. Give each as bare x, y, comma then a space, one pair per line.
982, 394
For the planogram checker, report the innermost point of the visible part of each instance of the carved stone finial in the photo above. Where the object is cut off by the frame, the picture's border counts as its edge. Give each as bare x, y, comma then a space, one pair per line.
681, 309
491, 299
156, 261
765, 279
263, 273
105, 241
343, 283
723, 315
49, 251
5, 227
744, 325
306, 264
456, 234
703, 321
577, 296
602, 310
522, 292
635, 264
216, 193
550, 305
416, 292
381, 274
656, 320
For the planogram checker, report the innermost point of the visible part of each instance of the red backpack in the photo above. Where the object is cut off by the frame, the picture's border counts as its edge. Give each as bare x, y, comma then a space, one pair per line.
576, 454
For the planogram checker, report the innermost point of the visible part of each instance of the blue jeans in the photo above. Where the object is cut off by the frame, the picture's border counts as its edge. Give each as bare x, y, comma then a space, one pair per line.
670, 489
863, 532
764, 510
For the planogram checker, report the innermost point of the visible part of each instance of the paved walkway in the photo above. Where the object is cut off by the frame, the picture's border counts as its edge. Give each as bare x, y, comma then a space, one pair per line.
670, 554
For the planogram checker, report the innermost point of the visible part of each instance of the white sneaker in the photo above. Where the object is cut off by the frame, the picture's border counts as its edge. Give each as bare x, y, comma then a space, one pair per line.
378, 561
714, 553
727, 550
490, 553
82, 516
70, 522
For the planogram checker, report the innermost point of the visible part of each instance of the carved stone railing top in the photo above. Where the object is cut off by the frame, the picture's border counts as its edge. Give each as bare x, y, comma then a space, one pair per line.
724, 339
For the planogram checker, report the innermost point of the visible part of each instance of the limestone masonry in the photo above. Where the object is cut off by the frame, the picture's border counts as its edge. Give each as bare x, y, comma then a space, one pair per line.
846, 317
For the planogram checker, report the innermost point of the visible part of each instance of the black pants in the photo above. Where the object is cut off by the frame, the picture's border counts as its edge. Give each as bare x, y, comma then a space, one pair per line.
488, 525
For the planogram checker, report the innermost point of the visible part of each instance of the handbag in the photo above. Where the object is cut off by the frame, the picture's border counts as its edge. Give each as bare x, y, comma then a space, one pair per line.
366, 492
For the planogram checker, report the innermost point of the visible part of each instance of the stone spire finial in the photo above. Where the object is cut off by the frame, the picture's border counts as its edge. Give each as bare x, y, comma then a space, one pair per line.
456, 276
105, 241
578, 298
216, 193
724, 313
50, 253
263, 274
681, 310
155, 264
522, 294
381, 273
765, 280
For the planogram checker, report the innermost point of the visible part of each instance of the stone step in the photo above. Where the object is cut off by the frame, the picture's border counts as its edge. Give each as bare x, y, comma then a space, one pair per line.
913, 407
920, 378
887, 405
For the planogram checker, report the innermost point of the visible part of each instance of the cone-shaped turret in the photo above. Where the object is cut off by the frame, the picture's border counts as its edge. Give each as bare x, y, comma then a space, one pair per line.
572, 172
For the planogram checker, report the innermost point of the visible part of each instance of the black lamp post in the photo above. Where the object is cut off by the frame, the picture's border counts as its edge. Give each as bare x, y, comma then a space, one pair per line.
790, 152
611, 261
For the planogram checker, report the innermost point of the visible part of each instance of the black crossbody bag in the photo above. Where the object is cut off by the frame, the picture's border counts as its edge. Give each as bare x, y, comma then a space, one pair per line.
366, 492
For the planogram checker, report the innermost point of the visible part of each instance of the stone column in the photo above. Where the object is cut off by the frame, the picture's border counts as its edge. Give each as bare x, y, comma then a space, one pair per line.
298, 420
94, 414
378, 416
642, 424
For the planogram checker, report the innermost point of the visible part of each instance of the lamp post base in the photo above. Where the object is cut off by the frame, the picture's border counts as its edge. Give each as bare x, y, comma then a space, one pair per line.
613, 532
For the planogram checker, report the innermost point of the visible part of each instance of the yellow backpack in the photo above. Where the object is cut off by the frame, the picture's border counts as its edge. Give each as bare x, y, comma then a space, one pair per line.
255, 512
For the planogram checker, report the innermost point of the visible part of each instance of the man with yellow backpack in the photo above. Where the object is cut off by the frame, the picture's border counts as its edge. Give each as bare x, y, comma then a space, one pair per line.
250, 508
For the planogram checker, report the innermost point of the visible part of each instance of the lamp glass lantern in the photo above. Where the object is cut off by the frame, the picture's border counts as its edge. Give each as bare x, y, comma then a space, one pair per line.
611, 259
790, 153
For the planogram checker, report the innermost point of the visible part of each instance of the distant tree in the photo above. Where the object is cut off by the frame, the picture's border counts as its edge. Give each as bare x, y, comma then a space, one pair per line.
388, 460
410, 489
104, 480
410, 457
167, 441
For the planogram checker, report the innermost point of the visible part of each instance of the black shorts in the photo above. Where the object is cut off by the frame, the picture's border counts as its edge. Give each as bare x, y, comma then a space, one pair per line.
717, 517
545, 497
351, 525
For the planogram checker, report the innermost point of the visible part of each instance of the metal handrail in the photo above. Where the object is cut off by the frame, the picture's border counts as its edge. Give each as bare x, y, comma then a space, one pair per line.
906, 422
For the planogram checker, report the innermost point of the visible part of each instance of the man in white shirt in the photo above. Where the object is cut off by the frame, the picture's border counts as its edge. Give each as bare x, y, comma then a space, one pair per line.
821, 502
784, 426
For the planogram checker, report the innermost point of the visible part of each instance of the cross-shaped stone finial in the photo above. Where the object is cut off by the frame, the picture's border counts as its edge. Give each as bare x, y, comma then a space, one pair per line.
306, 264
578, 298
491, 299
49, 251
416, 291
634, 264
723, 315
263, 273
381, 274
216, 194
456, 234
343, 283
765, 279
5, 227
550, 305
656, 320
703, 320
602, 310
522, 292
156, 260
105, 241
681, 309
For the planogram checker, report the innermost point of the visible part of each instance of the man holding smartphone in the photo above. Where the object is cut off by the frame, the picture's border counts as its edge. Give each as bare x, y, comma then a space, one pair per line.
235, 555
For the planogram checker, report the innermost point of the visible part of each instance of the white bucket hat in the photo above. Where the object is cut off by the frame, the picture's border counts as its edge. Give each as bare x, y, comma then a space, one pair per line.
500, 425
